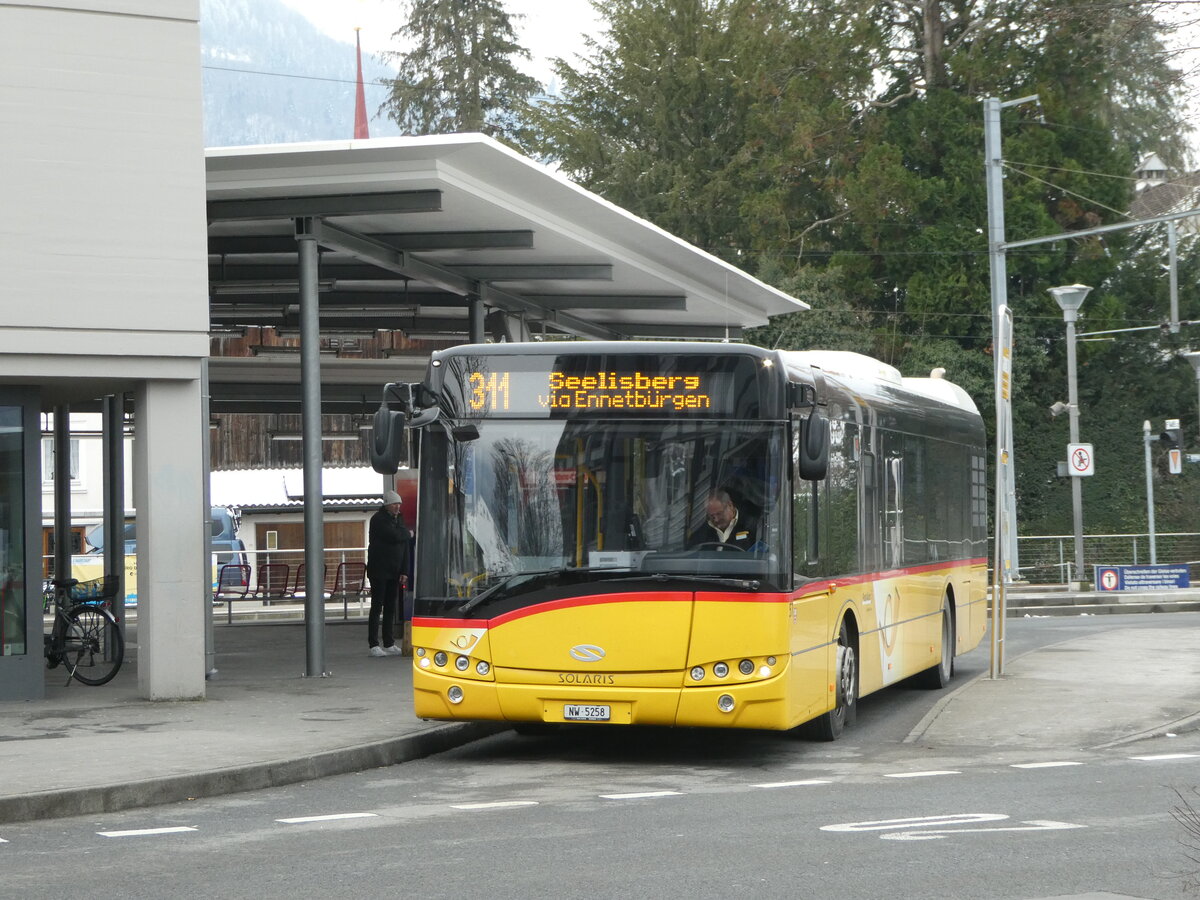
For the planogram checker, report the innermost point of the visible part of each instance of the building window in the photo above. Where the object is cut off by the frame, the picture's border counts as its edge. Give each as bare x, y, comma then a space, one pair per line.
48, 461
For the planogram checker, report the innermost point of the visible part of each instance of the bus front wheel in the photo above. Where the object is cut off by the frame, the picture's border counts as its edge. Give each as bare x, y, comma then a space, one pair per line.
829, 726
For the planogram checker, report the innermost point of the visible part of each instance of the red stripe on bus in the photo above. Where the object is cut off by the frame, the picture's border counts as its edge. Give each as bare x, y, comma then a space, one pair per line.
677, 596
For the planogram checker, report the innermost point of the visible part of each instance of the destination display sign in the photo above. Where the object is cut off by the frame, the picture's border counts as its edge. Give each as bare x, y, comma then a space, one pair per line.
492, 392
569, 386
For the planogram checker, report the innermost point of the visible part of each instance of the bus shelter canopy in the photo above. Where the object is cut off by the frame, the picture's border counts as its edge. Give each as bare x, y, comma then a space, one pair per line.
416, 235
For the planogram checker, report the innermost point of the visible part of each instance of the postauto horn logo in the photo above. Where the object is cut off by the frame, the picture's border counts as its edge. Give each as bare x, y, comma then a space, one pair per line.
587, 653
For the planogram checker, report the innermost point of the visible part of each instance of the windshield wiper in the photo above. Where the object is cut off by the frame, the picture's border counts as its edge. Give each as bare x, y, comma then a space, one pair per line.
748, 584
498, 589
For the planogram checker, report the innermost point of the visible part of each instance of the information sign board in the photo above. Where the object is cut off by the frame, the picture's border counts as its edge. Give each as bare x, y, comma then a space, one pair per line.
1141, 578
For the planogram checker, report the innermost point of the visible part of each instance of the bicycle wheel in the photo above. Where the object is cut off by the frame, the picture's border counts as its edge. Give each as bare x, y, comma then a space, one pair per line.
93, 646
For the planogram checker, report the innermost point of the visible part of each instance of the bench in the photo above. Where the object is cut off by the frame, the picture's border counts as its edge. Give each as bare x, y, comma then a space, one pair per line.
233, 583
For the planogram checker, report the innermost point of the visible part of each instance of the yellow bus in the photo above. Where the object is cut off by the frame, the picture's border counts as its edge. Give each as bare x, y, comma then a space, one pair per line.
685, 534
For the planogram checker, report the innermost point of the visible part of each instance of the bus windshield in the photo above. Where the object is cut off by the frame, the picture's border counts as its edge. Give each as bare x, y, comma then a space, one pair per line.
571, 505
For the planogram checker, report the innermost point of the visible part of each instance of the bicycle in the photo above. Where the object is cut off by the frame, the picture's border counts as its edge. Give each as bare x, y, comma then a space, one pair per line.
86, 636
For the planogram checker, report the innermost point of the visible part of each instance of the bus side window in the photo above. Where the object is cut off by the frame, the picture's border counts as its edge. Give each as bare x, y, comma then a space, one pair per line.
805, 520
869, 549
894, 509
840, 506
825, 513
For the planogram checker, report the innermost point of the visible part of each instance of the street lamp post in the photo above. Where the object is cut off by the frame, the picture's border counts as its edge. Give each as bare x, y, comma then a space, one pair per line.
1069, 299
1146, 439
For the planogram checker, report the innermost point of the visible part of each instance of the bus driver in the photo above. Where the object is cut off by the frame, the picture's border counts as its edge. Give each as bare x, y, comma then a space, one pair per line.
724, 526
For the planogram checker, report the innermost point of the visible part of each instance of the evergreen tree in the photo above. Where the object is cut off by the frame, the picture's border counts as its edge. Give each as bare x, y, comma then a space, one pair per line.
835, 148
459, 74
715, 119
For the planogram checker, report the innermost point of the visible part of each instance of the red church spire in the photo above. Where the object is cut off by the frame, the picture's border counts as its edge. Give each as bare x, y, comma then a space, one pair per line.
360, 99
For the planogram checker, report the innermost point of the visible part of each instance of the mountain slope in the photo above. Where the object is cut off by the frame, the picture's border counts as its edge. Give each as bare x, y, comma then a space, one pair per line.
271, 77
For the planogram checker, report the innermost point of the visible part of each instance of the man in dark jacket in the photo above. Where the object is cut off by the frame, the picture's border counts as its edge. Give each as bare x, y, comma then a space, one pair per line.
724, 526
387, 563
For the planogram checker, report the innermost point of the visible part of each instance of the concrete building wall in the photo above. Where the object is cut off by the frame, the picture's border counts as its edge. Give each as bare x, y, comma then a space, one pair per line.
103, 278
102, 240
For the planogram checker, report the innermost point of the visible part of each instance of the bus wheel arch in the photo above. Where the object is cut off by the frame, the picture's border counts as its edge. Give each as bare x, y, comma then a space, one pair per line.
830, 725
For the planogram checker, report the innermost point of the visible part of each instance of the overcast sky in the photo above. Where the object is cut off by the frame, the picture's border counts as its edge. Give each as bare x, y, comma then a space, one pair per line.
549, 28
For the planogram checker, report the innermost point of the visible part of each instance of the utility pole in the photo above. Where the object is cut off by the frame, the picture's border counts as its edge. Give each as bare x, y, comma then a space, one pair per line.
1193, 357
1005, 567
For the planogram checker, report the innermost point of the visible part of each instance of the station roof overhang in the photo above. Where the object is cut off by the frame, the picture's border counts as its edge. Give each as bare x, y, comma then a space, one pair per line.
414, 231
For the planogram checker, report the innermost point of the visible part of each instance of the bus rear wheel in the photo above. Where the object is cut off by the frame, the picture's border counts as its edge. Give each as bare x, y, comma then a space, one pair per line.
938, 676
829, 726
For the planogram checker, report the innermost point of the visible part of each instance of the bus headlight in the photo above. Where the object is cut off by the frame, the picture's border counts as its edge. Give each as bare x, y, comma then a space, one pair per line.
721, 669
455, 694
725, 703
746, 667
440, 657
482, 667
462, 663
698, 673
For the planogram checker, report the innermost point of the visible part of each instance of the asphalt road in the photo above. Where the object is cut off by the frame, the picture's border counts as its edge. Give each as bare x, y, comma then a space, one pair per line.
598, 812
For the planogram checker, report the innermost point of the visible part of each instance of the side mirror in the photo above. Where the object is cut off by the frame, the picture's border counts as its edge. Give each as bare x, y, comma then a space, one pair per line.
389, 441
814, 447
465, 432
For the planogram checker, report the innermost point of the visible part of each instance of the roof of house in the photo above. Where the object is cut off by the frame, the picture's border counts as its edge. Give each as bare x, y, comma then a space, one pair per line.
279, 489
1171, 196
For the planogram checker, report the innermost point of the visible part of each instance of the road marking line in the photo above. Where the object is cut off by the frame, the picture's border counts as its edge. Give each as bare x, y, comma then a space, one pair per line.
917, 822
783, 784
498, 804
139, 832
642, 795
922, 774
3, 841
1167, 756
1031, 825
1044, 765
298, 820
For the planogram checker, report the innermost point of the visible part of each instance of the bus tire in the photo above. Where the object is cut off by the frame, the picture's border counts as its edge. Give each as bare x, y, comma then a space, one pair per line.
829, 726
939, 675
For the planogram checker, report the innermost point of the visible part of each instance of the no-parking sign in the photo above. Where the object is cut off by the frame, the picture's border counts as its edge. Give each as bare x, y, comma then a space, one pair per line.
1080, 461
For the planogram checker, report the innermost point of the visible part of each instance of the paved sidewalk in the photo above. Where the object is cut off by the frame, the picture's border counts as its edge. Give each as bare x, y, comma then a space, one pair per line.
1090, 693
85, 750
90, 749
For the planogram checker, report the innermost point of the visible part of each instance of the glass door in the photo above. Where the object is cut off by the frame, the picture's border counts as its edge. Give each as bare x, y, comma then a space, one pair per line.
21, 667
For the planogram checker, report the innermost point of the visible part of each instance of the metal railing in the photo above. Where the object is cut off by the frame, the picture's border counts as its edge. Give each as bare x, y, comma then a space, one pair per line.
278, 577
1050, 558
284, 568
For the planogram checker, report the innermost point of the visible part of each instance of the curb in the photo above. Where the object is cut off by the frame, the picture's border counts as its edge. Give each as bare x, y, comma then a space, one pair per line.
232, 780
1178, 726
918, 730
